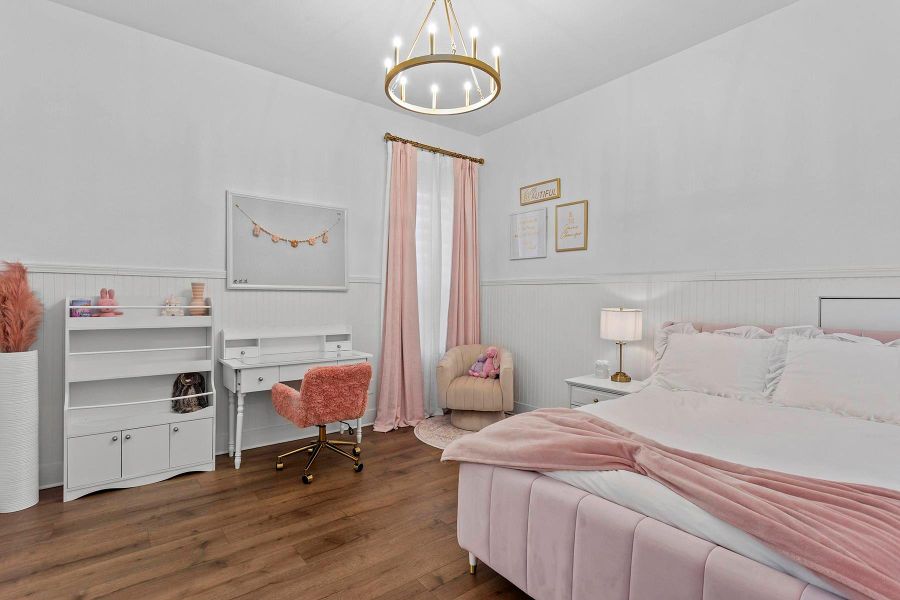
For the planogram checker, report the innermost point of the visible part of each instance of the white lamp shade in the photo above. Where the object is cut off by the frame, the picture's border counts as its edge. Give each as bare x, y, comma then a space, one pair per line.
621, 324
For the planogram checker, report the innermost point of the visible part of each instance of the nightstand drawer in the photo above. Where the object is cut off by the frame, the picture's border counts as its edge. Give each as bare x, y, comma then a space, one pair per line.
582, 396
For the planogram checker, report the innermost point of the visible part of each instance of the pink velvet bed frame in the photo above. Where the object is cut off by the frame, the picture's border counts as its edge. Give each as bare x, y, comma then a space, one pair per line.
555, 541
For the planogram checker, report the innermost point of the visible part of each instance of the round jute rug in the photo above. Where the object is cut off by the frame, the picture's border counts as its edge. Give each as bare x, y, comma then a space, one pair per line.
438, 432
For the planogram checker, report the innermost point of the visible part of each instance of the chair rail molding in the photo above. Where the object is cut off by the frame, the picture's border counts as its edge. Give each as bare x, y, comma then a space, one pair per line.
649, 277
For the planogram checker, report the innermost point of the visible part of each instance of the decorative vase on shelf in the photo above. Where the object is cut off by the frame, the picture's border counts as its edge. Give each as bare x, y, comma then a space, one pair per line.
198, 302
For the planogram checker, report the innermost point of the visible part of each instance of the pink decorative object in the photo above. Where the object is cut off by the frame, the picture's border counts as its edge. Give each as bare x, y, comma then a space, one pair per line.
487, 365
327, 395
841, 531
108, 302
20, 310
198, 302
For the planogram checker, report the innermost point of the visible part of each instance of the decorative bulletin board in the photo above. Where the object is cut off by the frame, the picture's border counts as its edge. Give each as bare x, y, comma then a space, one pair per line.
275, 244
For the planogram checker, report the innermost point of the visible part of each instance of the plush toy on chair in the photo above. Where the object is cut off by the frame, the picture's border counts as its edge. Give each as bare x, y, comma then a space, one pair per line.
327, 395
476, 398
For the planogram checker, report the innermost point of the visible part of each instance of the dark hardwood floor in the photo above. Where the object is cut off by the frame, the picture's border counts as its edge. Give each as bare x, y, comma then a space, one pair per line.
387, 532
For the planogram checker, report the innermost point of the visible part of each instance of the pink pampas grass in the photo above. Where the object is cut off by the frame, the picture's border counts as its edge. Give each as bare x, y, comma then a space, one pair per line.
20, 310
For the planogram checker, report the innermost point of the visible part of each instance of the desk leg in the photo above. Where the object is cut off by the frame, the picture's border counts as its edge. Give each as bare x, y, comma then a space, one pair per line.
359, 431
231, 423
239, 429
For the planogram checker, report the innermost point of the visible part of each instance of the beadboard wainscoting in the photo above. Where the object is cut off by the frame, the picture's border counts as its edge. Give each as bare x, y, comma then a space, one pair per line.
553, 326
358, 307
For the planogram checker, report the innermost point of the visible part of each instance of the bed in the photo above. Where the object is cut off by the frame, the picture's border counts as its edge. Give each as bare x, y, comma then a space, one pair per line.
620, 535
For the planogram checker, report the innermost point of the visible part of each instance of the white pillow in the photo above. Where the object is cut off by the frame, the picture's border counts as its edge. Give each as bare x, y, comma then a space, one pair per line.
720, 365
854, 379
661, 340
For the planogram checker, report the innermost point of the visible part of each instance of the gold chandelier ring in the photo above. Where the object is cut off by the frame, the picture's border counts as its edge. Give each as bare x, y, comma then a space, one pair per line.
430, 59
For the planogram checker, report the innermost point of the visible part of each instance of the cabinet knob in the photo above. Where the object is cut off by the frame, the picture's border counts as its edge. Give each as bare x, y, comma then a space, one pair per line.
243, 352
174, 429
596, 399
260, 379
127, 436
115, 438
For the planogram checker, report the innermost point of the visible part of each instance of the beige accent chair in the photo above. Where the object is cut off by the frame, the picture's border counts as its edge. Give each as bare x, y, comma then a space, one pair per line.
475, 403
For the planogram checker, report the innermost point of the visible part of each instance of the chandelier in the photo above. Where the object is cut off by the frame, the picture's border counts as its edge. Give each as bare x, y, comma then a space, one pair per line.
471, 95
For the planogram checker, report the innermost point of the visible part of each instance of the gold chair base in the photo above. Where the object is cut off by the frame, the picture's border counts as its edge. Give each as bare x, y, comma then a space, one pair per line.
315, 447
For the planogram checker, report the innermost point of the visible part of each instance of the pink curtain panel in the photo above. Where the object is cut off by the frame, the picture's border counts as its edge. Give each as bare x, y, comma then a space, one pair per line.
401, 389
464, 317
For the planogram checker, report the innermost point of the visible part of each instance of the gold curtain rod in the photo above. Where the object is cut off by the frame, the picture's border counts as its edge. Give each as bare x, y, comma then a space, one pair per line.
389, 137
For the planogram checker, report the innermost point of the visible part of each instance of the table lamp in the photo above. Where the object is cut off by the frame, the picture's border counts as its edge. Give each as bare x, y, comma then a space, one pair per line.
621, 325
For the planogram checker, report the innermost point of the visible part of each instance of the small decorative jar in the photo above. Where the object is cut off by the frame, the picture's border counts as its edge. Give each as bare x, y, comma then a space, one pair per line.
601, 369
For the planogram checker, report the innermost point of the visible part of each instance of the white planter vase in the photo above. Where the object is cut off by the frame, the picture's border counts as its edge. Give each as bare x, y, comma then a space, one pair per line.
18, 430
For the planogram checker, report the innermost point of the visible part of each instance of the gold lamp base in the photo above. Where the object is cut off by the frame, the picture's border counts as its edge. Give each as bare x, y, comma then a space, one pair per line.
620, 377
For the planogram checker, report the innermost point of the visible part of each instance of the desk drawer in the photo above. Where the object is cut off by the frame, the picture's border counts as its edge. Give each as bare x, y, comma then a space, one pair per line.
296, 372
582, 396
258, 380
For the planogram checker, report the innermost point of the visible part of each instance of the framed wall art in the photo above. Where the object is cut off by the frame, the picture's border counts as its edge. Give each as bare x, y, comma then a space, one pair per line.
528, 234
275, 244
572, 226
541, 191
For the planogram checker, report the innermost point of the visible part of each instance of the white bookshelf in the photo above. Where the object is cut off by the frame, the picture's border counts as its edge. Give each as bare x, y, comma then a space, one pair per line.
119, 427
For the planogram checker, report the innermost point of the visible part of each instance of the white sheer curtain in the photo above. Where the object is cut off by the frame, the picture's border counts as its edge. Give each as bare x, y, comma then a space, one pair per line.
434, 240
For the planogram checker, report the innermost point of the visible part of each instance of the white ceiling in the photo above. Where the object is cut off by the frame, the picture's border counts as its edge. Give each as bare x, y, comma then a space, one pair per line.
552, 49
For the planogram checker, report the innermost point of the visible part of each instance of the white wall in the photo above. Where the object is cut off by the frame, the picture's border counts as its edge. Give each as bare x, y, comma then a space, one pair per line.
116, 148
773, 146
734, 182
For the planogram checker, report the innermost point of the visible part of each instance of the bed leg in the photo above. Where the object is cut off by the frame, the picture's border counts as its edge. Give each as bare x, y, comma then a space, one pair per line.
473, 562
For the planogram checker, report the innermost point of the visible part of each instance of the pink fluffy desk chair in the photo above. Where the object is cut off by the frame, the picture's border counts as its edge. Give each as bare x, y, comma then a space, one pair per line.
327, 395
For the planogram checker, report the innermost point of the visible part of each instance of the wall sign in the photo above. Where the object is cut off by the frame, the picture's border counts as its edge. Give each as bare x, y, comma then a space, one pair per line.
528, 234
571, 226
540, 191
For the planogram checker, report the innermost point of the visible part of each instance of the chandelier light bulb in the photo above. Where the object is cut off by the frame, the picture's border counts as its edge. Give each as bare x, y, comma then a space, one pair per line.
432, 30
434, 88
403, 89
468, 87
397, 41
473, 33
495, 50
434, 91
388, 64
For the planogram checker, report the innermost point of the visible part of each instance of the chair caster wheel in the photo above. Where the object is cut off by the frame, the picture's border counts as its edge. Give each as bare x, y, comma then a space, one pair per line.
358, 467
307, 479
357, 451
350, 431
279, 466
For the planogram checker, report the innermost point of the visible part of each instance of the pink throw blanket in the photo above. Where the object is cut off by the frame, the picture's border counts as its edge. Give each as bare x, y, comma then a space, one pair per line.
848, 533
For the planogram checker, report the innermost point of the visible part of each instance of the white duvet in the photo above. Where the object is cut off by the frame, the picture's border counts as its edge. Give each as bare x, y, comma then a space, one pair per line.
791, 440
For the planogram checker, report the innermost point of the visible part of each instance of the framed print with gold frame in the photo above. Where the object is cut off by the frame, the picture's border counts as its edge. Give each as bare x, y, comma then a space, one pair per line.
551, 189
571, 225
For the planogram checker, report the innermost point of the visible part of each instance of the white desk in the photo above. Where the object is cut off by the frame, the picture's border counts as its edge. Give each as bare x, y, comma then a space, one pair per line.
255, 362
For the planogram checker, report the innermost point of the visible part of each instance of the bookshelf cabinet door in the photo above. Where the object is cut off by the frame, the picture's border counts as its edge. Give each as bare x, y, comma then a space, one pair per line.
145, 450
191, 442
94, 459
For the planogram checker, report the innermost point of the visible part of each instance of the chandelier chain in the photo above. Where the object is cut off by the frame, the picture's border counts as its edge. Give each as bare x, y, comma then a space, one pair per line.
465, 49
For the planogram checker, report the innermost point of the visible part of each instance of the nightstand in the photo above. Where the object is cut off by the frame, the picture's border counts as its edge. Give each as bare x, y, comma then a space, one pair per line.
588, 389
